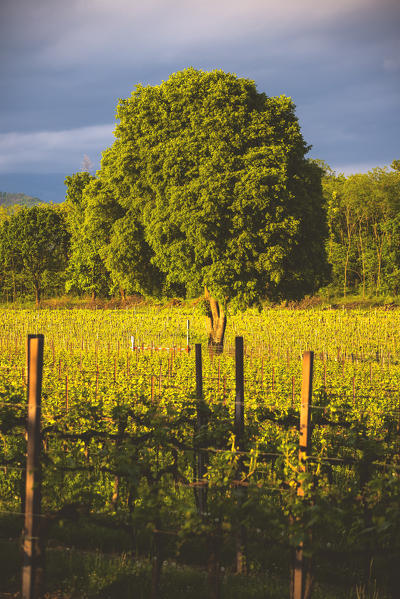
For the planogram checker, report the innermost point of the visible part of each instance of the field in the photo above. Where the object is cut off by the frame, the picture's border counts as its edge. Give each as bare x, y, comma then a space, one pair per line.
126, 512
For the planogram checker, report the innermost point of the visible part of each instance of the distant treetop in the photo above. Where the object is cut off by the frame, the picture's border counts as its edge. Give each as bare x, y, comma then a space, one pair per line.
12, 199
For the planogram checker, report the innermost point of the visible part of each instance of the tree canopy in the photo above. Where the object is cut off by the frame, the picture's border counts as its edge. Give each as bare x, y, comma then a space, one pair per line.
364, 230
34, 246
207, 185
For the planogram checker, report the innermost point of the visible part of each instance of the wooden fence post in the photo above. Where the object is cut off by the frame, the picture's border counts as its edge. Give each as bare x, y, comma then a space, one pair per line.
187, 335
201, 423
239, 432
33, 567
299, 590
239, 396
213, 537
66, 393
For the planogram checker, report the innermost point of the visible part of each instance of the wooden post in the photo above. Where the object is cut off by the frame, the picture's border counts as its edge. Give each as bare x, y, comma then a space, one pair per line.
33, 568
298, 586
239, 397
201, 423
187, 335
292, 392
66, 393
239, 431
213, 539
199, 372
306, 395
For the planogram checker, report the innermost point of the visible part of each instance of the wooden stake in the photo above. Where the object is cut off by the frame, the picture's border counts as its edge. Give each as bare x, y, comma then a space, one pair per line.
292, 392
298, 584
66, 393
306, 395
32, 572
201, 423
239, 398
239, 433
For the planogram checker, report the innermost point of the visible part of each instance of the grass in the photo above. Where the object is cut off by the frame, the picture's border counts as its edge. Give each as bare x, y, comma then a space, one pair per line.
73, 574
325, 299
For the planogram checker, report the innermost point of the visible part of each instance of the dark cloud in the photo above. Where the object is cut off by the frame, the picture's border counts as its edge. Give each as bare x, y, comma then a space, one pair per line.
66, 64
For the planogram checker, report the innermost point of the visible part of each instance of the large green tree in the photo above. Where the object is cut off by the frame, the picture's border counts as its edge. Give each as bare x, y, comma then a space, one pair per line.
210, 188
34, 246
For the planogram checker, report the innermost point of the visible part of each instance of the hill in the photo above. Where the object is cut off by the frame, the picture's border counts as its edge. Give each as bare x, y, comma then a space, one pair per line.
11, 199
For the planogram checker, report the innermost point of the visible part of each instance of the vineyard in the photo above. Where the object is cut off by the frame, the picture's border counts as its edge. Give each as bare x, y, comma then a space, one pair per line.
150, 488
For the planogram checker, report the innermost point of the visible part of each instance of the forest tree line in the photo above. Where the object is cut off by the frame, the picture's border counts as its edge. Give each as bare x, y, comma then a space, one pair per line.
362, 247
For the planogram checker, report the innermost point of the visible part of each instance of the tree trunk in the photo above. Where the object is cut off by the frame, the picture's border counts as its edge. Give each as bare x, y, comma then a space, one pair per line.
216, 324
345, 275
346, 264
362, 259
379, 240
37, 294
13, 284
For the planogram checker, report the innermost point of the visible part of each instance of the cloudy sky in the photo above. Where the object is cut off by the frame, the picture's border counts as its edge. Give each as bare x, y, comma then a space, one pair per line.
64, 65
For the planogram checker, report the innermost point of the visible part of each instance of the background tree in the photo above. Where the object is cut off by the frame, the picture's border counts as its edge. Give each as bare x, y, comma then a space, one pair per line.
212, 179
363, 224
34, 244
128, 259
86, 272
